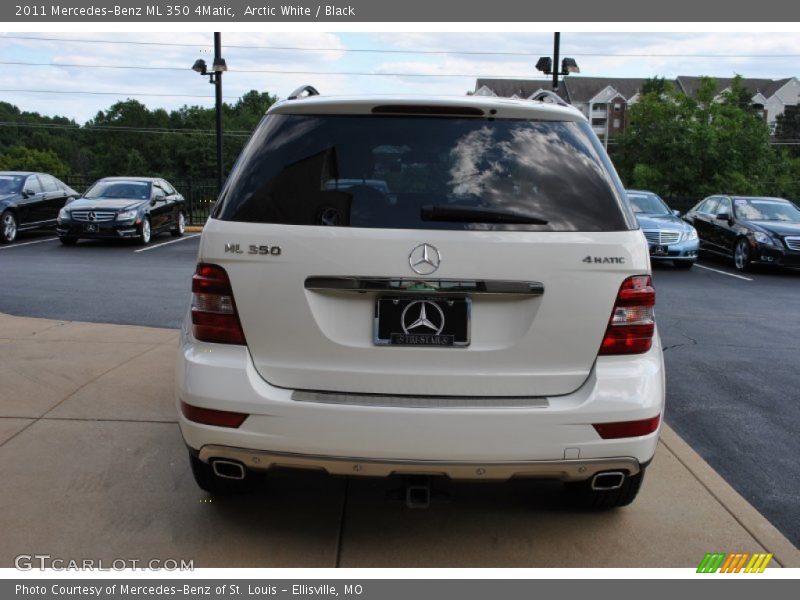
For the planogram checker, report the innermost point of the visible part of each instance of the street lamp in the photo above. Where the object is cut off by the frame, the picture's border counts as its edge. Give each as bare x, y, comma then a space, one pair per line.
545, 64
218, 67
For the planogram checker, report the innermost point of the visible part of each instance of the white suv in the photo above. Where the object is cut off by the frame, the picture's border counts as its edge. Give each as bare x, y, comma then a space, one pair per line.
423, 286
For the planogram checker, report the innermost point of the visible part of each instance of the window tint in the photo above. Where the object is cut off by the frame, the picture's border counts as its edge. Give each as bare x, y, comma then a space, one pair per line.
49, 183
370, 171
33, 185
724, 206
709, 206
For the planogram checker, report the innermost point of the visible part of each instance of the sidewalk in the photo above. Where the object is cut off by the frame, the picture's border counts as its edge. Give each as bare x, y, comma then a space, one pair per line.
94, 467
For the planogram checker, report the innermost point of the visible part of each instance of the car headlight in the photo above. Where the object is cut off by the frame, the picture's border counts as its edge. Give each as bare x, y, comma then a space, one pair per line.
763, 238
62, 214
690, 235
126, 215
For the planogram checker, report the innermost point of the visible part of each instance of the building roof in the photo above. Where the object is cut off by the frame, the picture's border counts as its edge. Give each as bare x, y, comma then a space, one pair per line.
523, 88
583, 89
767, 87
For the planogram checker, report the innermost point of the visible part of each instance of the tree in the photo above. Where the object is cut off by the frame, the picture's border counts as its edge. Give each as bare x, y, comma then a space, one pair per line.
20, 158
787, 129
679, 145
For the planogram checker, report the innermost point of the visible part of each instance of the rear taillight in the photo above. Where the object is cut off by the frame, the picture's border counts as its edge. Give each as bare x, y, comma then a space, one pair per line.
625, 429
214, 316
630, 329
208, 416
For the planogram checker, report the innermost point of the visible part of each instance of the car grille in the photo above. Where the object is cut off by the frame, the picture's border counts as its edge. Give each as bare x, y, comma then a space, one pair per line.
662, 237
792, 242
93, 216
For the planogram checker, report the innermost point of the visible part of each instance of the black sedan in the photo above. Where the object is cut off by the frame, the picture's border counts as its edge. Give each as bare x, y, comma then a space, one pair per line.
30, 201
123, 207
751, 230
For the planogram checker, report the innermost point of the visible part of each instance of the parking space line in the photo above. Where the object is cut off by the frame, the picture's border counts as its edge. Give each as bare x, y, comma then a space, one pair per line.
27, 243
699, 266
180, 239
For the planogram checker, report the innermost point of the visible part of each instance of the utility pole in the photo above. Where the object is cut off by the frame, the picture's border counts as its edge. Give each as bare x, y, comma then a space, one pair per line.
556, 48
218, 101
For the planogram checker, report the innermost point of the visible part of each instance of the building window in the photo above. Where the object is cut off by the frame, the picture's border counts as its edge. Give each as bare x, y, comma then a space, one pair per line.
617, 123
617, 107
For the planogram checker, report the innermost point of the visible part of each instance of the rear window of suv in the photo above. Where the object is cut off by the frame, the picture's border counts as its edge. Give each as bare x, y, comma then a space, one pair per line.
424, 173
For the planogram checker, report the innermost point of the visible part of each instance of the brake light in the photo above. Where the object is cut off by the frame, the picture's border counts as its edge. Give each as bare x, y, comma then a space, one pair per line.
631, 327
208, 416
214, 315
624, 429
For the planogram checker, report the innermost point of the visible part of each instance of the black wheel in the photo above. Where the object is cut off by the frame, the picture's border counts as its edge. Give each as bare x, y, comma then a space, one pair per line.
68, 241
180, 226
683, 264
741, 255
144, 232
581, 494
207, 480
8, 227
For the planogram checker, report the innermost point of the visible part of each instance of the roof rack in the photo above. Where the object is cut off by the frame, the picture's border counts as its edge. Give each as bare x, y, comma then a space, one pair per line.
549, 97
304, 91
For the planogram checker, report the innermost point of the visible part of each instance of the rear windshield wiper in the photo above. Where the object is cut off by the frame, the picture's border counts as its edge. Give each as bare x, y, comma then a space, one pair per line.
476, 214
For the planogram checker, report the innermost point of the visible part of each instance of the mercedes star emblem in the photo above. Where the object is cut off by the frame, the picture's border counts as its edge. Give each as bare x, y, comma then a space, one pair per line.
422, 313
91, 216
424, 259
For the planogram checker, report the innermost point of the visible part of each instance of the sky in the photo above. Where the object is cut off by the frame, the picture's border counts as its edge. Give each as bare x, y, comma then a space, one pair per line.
155, 67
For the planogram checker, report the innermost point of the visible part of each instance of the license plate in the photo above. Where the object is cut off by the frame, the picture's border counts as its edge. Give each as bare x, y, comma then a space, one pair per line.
659, 250
422, 321
90, 228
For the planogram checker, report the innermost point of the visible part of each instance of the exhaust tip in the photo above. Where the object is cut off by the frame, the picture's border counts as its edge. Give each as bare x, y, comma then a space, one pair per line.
610, 480
228, 469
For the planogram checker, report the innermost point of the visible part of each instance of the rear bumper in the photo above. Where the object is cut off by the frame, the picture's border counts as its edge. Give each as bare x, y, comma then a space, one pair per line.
544, 437
563, 470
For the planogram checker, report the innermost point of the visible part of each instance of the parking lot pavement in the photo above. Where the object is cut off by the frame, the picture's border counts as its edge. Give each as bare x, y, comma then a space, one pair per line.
100, 281
731, 348
94, 467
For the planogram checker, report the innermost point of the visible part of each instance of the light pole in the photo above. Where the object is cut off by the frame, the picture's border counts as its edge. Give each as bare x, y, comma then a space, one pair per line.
215, 77
546, 65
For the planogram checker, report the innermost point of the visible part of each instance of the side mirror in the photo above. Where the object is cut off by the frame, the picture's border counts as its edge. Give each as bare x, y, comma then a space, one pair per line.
723, 217
27, 193
676, 212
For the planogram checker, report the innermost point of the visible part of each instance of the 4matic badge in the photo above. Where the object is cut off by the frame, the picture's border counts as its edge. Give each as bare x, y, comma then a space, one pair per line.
605, 260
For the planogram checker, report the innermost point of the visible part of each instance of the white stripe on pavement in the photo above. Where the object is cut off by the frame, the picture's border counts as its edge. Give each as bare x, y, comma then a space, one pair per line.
699, 266
27, 243
180, 239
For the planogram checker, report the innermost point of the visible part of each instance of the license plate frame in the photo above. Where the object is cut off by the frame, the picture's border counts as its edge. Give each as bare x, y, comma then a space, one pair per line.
659, 250
447, 327
91, 228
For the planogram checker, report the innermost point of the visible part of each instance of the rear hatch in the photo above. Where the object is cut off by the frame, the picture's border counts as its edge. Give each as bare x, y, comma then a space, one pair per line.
392, 252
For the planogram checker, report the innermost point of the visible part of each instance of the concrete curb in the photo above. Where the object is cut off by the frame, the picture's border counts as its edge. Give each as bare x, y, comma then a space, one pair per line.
194, 228
740, 509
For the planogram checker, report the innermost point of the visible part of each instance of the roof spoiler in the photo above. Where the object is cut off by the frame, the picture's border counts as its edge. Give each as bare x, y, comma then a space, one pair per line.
304, 91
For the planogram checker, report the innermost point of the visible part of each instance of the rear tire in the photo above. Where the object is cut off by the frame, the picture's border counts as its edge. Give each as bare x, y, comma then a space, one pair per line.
8, 227
582, 495
68, 241
683, 264
213, 484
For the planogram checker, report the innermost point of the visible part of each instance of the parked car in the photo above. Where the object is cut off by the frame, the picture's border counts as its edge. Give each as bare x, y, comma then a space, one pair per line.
668, 236
123, 207
751, 230
494, 321
30, 201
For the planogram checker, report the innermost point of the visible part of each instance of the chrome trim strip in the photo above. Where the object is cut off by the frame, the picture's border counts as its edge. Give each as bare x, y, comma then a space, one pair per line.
389, 400
563, 470
423, 285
